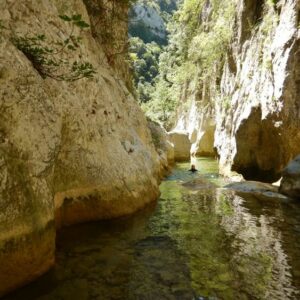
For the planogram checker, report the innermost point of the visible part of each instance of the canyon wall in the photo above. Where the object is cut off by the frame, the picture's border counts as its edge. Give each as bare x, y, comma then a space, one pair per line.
253, 104
70, 151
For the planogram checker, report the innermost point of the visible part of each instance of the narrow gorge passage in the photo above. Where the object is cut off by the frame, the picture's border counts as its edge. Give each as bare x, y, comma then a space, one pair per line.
149, 149
207, 242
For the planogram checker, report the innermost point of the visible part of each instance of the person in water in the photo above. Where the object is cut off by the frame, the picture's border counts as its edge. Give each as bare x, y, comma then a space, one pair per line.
193, 169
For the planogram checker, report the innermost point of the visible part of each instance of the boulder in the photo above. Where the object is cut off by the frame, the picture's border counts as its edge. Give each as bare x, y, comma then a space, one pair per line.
182, 145
258, 189
290, 183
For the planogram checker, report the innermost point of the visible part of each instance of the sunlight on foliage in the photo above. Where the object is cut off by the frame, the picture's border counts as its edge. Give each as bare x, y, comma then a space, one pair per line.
46, 55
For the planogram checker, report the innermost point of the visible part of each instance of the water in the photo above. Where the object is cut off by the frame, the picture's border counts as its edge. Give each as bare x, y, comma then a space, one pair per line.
192, 244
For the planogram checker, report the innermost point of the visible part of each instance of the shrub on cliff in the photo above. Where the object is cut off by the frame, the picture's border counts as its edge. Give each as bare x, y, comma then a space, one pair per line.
50, 57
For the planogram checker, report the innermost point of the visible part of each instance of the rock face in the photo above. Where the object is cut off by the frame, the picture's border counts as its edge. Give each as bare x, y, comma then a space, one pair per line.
198, 121
69, 151
258, 133
163, 146
148, 19
290, 183
151, 18
182, 145
255, 102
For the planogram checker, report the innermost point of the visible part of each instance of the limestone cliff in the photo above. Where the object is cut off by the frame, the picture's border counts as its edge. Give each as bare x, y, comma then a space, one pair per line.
253, 104
69, 151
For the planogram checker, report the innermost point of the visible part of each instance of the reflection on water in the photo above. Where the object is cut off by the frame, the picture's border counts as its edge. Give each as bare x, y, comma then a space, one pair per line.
206, 244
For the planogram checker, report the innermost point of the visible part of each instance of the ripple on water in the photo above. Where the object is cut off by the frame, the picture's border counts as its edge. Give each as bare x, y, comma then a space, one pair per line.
196, 243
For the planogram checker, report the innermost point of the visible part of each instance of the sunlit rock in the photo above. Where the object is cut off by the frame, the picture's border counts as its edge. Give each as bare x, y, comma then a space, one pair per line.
198, 122
182, 145
258, 132
258, 189
250, 115
290, 184
69, 151
163, 146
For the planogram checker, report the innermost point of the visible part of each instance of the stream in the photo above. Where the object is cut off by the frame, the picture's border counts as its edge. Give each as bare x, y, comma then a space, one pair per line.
206, 243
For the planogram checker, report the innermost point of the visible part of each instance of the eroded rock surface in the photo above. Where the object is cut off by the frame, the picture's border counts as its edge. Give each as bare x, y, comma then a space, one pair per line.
290, 183
163, 146
182, 145
253, 106
69, 151
199, 123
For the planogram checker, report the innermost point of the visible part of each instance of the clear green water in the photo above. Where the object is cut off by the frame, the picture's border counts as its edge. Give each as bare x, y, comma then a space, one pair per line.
206, 244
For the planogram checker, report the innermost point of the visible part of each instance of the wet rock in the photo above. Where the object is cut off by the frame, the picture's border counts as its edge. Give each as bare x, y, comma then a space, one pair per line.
159, 271
290, 183
182, 145
258, 189
199, 184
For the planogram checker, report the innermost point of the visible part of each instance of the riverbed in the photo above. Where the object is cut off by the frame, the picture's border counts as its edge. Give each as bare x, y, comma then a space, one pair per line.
194, 243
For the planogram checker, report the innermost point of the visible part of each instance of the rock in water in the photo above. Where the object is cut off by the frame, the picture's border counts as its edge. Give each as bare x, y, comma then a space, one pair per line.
290, 183
159, 271
258, 189
199, 184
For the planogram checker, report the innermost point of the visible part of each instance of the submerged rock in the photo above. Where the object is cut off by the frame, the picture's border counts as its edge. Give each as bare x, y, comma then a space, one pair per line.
159, 270
290, 183
199, 184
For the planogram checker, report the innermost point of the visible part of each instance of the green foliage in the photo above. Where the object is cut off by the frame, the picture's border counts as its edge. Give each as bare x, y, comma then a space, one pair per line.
209, 45
138, 28
75, 20
162, 104
47, 55
199, 37
144, 32
144, 59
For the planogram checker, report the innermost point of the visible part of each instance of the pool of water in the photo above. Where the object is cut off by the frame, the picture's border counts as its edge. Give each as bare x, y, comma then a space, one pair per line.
193, 244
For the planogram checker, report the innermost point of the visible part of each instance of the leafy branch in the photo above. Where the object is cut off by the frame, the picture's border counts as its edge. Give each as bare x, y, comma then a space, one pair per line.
46, 55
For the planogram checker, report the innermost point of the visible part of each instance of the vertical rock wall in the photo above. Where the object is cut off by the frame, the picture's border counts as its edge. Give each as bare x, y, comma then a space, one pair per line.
69, 151
258, 132
256, 108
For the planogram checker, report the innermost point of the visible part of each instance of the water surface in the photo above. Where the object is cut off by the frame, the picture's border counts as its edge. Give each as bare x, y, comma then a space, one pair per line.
192, 244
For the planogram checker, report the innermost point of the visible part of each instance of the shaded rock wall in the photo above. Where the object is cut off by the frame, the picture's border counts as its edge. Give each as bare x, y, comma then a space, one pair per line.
69, 152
